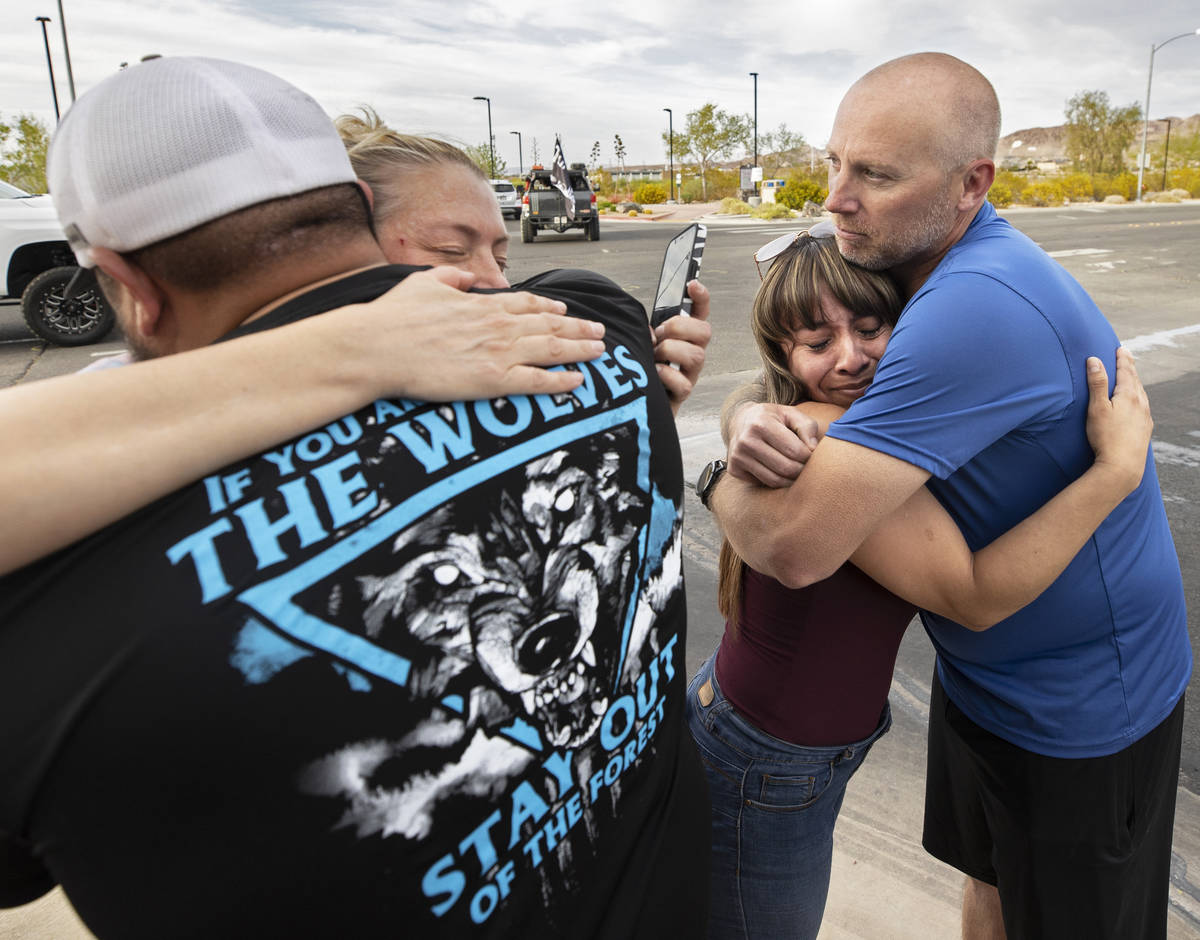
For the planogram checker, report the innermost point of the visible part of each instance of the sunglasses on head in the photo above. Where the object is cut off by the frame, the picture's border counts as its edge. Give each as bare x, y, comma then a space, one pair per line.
777, 246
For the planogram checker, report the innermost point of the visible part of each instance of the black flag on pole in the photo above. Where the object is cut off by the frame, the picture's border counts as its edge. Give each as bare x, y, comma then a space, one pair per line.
561, 178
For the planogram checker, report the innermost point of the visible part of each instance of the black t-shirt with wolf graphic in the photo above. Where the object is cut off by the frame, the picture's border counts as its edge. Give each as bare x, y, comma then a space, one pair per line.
419, 672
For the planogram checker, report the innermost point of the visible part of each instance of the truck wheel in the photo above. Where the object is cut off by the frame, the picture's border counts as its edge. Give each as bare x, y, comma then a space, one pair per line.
593, 230
85, 318
527, 230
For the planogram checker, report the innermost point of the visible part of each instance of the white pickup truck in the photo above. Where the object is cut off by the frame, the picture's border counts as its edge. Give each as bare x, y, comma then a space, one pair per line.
37, 266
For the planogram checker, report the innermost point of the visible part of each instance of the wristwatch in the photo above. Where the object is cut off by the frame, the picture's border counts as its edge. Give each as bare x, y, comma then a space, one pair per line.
708, 480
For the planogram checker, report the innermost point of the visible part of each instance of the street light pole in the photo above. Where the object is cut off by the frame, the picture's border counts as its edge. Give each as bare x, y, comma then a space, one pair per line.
50, 65
491, 145
66, 51
1146, 116
520, 156
1166, 153
671, 150
755, 76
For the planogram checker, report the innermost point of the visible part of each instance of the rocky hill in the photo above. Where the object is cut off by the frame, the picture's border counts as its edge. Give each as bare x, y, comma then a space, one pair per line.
1048, 144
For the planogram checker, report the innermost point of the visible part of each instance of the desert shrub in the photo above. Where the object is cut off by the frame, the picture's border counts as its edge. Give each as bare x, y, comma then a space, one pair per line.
604, 205
722, 183
1000, 196
771, 210
1043, 193
633, 212
1115, 199
1015, 182
1186, 178
796, 192
690, 191
1077, 187
1115, 184
650, 193
731, 206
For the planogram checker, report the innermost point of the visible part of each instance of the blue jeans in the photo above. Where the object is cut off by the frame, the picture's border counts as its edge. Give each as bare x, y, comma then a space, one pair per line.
774, 806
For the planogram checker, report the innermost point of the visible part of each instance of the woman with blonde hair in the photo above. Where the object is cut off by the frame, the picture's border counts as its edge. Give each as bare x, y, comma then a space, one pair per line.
786, 709
431, 204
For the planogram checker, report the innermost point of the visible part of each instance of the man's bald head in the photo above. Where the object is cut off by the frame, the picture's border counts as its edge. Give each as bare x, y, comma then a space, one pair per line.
952, 100
910, 162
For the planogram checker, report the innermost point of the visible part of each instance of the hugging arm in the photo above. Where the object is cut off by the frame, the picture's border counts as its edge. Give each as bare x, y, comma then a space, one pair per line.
802, 533
919, 553
85, 450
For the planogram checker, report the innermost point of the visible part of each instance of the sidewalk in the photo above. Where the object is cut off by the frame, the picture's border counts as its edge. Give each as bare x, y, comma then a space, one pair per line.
677, 212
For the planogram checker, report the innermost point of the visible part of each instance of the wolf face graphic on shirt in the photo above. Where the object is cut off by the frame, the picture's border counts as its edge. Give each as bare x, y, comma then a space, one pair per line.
508, 599
516, 600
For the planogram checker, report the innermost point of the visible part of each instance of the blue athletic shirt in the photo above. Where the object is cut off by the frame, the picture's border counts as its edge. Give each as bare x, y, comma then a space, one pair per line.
984, 385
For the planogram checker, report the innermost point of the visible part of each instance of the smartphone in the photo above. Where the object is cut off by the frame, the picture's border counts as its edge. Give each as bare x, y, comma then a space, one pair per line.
681, 263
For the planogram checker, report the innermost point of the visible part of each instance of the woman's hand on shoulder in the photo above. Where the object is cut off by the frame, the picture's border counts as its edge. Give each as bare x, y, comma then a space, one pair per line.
1119, 428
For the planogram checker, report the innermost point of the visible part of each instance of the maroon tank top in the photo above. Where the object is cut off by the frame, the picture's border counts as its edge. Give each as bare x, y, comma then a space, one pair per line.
812, 666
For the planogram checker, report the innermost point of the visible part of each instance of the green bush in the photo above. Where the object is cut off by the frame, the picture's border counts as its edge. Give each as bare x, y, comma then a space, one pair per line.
1000, 196
1044, 193
771, 210
796, 192
690, 191
650, 193
722, 183
1078, 187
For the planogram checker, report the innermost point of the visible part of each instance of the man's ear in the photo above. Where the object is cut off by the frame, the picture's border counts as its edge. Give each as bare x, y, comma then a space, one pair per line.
366, 188
143, 302
977, 180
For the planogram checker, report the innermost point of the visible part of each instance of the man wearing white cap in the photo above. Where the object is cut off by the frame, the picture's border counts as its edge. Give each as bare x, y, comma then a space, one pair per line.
417, 672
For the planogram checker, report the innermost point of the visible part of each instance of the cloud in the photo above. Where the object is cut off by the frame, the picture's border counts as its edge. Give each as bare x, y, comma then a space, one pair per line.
588, 74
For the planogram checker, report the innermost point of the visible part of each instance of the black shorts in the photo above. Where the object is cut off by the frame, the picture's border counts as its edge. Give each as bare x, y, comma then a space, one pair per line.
1076, 847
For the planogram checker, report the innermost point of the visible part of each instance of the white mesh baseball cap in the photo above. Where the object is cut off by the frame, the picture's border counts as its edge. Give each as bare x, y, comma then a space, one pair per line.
165, 146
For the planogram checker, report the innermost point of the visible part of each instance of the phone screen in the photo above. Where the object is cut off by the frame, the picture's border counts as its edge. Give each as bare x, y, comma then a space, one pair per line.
681, 263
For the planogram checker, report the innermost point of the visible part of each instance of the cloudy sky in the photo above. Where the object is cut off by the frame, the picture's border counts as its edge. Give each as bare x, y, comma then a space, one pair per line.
590, 70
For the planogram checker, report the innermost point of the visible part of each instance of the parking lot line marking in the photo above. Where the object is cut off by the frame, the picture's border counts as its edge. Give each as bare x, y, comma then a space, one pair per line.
1140, 344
